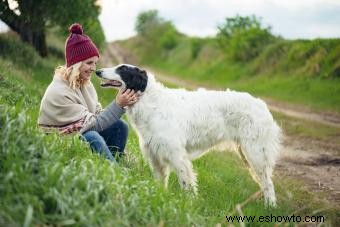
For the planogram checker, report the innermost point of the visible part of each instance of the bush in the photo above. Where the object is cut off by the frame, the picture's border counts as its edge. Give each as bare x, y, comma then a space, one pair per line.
243, 37
146, 20
196, 46
169, 38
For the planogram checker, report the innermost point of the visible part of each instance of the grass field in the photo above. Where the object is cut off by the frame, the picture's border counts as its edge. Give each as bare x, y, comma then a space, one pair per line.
48, 180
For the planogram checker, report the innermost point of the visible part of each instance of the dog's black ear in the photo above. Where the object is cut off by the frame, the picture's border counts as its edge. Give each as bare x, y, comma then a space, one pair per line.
139, 82
134, 77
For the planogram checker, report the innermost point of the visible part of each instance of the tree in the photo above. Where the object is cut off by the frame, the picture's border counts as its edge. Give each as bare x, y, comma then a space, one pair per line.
146, 20
244, 37
31, 18
156, 29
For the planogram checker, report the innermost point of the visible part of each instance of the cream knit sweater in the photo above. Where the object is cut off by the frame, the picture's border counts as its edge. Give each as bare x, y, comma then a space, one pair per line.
61, 106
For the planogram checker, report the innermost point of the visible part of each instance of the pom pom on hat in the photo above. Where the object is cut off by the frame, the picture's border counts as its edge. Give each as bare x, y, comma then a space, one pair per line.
78, 46
76, 29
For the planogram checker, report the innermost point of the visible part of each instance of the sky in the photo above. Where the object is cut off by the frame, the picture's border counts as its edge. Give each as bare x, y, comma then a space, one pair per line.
291, 19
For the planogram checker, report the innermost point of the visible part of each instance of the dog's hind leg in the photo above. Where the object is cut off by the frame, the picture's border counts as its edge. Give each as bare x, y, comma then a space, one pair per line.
268, 187
185, 173
261, 170
261, 167
261, 149
261, 173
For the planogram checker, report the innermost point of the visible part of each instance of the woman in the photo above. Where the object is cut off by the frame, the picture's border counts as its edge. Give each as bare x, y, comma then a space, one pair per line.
70, 103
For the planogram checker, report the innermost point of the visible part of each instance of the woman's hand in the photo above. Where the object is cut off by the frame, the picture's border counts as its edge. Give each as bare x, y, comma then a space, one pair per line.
126, 97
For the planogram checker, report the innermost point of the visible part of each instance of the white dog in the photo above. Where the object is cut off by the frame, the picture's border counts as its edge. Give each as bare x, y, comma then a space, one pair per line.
176, 126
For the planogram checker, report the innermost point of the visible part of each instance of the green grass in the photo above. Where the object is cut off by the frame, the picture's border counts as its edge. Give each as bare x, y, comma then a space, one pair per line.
49, 179
56, 181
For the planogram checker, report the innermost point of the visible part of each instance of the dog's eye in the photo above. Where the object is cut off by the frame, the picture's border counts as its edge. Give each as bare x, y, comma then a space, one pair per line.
141, 71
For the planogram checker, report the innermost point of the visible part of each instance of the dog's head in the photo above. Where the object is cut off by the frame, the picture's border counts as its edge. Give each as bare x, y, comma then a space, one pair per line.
123, 76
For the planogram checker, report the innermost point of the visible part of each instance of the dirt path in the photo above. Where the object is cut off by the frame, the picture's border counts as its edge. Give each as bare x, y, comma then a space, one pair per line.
315, 162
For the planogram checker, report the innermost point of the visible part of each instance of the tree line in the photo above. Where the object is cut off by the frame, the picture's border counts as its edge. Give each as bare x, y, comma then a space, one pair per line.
242, 37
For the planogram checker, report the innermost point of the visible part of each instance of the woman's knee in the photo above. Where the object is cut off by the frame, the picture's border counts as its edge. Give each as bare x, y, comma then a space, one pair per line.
123, 126
90, 135
97, 143
93, 138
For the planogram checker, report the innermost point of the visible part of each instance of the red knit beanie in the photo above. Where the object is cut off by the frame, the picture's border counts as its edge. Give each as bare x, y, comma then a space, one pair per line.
78, 46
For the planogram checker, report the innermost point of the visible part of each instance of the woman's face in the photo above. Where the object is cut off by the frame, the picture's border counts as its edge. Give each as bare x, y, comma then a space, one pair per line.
87, 67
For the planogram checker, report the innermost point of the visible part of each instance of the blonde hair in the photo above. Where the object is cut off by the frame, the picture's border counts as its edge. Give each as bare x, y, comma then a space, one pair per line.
71, 74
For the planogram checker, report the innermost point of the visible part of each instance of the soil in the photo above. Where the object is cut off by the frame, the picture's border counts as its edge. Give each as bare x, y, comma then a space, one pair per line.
316, 163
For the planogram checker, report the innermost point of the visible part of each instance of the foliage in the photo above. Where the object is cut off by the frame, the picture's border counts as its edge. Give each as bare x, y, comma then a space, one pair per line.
30, 19
168, 40
146, 20
243, 37
93, 29
308, 58
22, 54
157, 30
196, 46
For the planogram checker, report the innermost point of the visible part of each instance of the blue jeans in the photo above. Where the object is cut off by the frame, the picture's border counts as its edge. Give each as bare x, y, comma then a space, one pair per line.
109, 142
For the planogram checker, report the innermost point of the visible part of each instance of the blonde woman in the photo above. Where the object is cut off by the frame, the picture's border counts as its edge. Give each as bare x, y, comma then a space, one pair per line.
70, 103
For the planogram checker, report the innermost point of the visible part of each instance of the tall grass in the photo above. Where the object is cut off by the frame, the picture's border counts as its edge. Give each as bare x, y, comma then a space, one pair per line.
53, 180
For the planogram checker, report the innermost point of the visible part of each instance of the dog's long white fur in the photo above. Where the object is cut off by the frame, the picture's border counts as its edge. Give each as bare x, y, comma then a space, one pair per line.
175, 126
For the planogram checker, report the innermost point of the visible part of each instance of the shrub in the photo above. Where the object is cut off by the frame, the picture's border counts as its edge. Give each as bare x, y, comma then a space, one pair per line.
196, 46
243, 37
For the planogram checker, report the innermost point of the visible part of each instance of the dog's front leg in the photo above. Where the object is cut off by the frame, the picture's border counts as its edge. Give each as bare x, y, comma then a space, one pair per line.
161, 171
185, 173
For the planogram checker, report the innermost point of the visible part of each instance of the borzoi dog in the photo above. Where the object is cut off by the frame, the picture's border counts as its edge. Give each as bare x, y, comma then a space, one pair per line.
176, 126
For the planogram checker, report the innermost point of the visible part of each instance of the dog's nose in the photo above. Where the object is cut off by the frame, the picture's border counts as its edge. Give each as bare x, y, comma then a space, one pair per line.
99, 72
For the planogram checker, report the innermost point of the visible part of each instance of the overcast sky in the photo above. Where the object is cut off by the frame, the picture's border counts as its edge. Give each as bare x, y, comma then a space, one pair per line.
289, 18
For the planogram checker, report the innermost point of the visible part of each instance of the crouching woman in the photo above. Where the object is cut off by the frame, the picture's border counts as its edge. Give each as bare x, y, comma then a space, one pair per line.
70, 103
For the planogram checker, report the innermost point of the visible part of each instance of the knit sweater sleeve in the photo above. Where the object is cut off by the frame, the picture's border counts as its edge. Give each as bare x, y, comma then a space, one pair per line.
104, 119
99, 108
